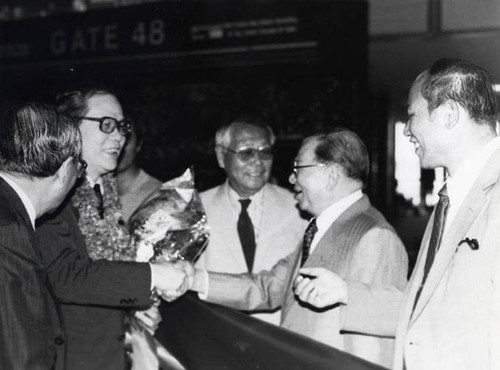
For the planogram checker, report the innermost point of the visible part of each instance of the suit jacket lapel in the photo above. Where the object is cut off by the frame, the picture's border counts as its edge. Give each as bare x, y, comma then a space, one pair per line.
324, 248
472, 205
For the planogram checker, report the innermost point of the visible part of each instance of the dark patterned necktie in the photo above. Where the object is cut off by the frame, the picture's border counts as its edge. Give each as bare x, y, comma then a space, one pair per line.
436, 236
246, 234
308, 238
100, 201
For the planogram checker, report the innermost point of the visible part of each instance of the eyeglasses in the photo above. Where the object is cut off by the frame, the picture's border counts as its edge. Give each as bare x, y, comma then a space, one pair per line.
81, 166
247, 154
296, 166
108, 124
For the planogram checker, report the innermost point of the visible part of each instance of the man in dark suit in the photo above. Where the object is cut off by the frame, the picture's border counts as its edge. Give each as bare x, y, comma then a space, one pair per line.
39, 163
351, 238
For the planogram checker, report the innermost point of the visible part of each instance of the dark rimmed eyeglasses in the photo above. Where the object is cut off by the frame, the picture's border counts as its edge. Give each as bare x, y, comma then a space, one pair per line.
297, 167
108, 124
81, 166
247, 154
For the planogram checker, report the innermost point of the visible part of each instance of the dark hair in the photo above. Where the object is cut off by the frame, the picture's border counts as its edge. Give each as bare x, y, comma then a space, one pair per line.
140, 131
36, 140
345, 148
463, 82
74, 103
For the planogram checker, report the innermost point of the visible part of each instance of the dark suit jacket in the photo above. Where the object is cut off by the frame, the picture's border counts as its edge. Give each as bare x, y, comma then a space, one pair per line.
95, 333
31, 334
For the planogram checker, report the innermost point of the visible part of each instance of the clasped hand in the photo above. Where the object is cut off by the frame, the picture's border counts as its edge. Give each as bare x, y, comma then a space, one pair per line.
172, 279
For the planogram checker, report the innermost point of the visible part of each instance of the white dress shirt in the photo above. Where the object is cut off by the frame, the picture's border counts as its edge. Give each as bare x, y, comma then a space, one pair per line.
459, 185
329, 215
254, 209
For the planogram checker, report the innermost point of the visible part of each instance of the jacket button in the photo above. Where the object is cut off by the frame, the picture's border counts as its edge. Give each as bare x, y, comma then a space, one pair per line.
59, 341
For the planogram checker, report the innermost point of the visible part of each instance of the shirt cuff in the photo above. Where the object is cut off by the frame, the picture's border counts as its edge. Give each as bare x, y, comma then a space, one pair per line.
203, 296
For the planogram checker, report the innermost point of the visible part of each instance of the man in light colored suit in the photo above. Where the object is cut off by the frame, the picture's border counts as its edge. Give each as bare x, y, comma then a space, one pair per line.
353, 239
244, 149
449, 317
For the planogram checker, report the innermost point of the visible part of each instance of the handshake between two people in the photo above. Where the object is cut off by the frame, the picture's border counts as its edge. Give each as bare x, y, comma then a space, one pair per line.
319, 287
171, 279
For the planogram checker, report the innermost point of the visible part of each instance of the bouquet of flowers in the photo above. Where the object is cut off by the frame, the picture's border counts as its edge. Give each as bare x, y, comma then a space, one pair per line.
171, 223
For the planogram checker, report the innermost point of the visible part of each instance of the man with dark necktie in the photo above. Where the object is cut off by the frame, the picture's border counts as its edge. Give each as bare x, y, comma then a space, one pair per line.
449, 317
253, 224
346, 235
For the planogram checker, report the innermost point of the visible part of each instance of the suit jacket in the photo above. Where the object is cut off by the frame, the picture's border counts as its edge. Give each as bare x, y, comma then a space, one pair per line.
360, 246
281, 230
456, 322
94, 294
31, 332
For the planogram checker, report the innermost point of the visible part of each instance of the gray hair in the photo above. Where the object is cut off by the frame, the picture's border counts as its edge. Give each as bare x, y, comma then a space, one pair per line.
223, 134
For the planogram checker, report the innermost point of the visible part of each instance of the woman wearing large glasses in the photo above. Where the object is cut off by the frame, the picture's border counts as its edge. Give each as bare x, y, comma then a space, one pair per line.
96, 335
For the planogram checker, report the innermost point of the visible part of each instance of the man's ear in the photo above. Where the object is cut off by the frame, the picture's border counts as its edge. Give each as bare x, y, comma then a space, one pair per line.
221, 155
334, 174
453, 112
66, 170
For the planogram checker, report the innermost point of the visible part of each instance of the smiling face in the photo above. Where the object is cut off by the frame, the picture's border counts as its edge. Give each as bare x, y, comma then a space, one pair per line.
426, 130
310, 184
246, 177
101, 150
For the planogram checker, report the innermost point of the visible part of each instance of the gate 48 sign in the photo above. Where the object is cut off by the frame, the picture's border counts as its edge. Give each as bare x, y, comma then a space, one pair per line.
93, 35
103, 39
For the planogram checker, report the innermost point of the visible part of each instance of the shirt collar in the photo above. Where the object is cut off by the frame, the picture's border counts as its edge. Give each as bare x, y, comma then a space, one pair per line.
459, 185
235, 197
23, 196
329, 215
92, 183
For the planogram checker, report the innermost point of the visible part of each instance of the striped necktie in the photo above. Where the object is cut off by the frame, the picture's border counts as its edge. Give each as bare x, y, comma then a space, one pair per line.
436, 236
308, 238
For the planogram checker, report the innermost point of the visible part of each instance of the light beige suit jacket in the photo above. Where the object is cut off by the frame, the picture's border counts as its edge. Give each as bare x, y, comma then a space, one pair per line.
456, 322
281, 231
360, 246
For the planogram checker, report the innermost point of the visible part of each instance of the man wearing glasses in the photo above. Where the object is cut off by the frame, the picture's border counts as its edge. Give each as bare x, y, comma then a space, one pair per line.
253, 223
346, 235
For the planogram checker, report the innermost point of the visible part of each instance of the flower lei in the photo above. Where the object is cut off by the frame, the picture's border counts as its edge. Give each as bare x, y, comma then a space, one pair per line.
106, 238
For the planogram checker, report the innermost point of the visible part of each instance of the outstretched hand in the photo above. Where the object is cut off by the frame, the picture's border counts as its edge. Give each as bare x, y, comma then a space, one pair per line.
320, 287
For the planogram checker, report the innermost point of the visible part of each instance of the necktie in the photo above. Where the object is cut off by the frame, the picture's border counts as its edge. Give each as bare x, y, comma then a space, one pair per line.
436, 236
100, 203
308, 238
246, 234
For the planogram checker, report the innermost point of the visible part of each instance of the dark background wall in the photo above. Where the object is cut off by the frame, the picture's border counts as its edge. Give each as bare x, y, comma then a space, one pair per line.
185, 68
